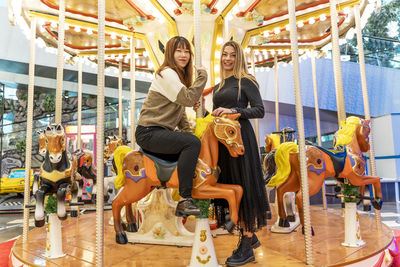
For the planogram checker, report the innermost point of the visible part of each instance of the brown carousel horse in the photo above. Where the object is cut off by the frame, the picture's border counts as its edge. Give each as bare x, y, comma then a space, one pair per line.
57, 173
142, 172
346, 166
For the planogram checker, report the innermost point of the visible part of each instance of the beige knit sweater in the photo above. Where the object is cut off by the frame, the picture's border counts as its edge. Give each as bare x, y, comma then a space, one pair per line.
167, 98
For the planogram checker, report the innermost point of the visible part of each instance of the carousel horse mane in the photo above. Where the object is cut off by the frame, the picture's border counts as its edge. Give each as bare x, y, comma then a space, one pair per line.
346, 132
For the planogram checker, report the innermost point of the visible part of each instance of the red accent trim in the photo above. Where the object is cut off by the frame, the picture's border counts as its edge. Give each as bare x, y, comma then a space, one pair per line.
300, 9
379, 262
80, 47
179, 3
309, 40
212, 4
78, 12
249, 9
138, 10
207, 91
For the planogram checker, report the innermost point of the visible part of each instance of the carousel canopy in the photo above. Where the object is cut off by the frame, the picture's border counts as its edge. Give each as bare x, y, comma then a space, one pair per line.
259, 25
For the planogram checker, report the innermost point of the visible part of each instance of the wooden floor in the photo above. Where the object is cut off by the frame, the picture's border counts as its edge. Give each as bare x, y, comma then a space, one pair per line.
79, 243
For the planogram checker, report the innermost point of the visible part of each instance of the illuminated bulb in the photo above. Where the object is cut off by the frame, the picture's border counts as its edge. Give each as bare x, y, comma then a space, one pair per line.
287, 51
311, 20
53, 24
277, 30
216, 68
145, 53
322, 17
92, 57
219, 40
77, 29
300, 24
124, 38
217, 80
301, 51
113, 36
217, 54
280, 52
89, 31
272, 52
247, 50
346, 10
266, 33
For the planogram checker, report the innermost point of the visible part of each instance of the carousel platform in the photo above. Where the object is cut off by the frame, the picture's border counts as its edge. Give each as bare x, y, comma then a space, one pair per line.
79, 244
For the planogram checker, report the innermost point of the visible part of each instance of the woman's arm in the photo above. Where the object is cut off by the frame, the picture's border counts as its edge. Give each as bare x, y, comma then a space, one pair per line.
256, 109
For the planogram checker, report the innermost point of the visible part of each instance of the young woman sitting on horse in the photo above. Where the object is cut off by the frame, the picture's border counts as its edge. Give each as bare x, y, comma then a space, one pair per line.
164, 110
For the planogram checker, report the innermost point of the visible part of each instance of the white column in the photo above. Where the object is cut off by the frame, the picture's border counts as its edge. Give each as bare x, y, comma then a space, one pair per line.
317, 119
300, 132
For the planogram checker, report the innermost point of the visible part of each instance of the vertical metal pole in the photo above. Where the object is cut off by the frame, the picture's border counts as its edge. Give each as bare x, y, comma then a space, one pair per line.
300, 128
317, 119
276, 93
133, 94
60, 62
361, 60
336, 63
253, 72
197, 46
120, 98
79, 141
29, 123
100, 134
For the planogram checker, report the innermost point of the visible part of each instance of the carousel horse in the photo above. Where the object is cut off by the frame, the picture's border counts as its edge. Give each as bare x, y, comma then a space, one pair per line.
272, 143
347, 166
141, 172
112, 143
57, 173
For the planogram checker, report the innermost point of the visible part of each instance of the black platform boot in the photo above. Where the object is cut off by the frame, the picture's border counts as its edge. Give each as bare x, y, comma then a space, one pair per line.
243, 254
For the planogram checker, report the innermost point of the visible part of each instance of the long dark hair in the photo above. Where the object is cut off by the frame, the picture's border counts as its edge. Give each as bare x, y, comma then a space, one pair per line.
185, 74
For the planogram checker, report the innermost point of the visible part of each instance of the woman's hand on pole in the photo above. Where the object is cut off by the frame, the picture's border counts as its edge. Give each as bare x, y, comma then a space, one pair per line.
218, 112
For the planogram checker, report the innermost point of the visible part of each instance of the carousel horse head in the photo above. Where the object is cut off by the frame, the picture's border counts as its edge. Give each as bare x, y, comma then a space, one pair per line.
42, 142
353, 129
55, 140
272, 142
227, 131
112, 142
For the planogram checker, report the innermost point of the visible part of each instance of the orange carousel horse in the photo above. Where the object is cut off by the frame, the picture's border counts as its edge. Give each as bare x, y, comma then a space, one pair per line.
346, 166
142, 172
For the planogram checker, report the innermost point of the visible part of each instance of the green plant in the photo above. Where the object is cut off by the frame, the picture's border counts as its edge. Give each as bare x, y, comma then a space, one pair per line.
204, 206
49, 103
51, 205
24, 97
21, 146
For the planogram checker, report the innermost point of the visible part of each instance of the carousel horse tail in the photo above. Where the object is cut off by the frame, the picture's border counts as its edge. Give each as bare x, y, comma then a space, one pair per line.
282, 163
119, 155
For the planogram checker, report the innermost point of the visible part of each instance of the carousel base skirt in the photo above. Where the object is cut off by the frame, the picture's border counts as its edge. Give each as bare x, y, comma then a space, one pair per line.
79, 245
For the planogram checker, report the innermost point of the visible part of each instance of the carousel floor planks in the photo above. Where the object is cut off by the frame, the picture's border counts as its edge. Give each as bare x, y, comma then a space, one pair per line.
79, 244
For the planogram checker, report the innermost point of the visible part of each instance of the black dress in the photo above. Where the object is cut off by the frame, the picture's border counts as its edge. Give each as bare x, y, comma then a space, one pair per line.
244, 170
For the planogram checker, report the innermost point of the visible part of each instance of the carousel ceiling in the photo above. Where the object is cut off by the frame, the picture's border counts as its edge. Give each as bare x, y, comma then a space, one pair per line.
261, 25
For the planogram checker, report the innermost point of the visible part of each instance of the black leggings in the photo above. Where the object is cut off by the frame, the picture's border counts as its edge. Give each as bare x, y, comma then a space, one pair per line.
171, 145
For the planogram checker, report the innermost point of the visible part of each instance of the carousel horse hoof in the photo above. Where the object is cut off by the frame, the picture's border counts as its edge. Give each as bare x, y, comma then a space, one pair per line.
121, 238
291, 218
283, 222
367, 208
229, 226
312, 231
39, 223
377, 203
74, 213
130, 227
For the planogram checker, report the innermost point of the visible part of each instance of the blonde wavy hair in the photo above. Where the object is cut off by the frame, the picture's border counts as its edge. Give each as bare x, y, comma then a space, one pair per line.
240, 69
345, 134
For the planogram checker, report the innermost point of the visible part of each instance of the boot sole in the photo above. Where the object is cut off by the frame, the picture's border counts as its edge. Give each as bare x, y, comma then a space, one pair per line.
186, 214
252, 258
255, 245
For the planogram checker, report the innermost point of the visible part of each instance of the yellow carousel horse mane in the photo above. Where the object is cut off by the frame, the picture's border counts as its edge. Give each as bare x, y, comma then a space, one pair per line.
276, 140
119, 156
346, 132
202, 124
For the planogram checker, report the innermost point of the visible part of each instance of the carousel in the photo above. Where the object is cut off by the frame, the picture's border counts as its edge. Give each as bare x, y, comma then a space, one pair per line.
130, 36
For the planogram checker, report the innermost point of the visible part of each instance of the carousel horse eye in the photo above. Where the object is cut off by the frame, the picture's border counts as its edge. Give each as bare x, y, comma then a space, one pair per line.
231, 132
136, 168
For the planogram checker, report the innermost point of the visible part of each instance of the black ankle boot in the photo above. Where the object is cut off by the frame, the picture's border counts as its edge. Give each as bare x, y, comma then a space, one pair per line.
243, 254
186, 208
255, 243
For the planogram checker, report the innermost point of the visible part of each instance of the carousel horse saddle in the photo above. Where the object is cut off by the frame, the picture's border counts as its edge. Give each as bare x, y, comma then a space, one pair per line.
164, 168
338, 158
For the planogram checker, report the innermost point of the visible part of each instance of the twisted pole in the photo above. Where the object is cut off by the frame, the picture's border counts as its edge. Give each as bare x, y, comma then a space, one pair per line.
79, 141
361, 60
197, 46
100, 134
29, 123
120, 98
60, 62
276, 93
300, 132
